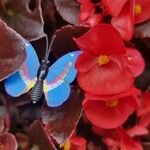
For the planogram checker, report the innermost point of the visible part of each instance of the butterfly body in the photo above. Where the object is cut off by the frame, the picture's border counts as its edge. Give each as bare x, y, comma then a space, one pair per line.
53, 81
37, 90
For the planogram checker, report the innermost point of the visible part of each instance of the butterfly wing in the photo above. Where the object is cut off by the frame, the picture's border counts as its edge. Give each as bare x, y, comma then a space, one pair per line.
21, 81
60, 75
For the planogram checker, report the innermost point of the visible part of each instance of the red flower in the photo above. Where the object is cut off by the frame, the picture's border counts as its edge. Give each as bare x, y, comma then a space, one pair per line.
141, 10
77, 143
126, 142
87, 14
119, 139
87, 8
114, 7
124, 21
102, 69
109, 113
126, 13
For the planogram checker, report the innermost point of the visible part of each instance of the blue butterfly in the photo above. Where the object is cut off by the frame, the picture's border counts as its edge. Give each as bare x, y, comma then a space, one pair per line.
56, 84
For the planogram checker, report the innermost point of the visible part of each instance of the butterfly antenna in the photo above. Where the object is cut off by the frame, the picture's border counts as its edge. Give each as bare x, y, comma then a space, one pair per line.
49, 49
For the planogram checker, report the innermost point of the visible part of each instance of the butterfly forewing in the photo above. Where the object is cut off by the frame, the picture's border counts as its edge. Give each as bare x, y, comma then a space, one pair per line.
24, 79
60, 75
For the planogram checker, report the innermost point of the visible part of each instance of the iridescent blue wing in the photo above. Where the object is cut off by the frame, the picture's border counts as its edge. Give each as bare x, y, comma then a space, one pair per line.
60, 75
24, 79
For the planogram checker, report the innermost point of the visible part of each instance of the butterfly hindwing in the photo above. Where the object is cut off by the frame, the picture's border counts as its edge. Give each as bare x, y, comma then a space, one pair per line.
60, 75
21, 81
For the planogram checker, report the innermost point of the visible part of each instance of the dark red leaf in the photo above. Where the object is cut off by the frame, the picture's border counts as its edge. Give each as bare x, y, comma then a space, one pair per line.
24, 16
21, 100
146, 145
63, 42
12, 51
2, 124
143, 30
69, 10
39, 136
8, 142
48, 10
62, 120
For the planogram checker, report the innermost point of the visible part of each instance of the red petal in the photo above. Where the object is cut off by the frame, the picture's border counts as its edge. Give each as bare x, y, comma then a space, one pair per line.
145, 104
131, 91
93, 20
78, 143
114, 7
109, 117
124, 22
126, 142
137, 130
145, 120
107, 80
101, 39
145, 14
85, 62
135, 61
146, 100
87, 8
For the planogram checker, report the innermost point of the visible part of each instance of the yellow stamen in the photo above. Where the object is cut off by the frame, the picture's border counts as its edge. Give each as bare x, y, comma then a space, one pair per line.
66, 145
103, 59
112, 103
137, 9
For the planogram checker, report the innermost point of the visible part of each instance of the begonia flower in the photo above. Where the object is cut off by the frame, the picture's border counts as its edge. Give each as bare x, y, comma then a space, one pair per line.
87, 13
101, 67
109, 113
119, 139
78, 143
124, 21
126, 13
141, 11
75, 143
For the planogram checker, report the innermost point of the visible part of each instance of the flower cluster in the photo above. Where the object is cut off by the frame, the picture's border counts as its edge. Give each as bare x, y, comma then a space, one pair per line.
124, 14
106, 72
107, 69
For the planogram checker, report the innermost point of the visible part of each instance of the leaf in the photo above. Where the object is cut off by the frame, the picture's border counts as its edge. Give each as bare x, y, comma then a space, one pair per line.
39, 136
21, 100
63, 42
48, 9
62, 120
146, 145
69, 10
143, 30
2, 124
8, 142
12, 51
24, 16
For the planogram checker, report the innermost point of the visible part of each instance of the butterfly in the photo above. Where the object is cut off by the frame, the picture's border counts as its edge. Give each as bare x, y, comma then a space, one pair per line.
56, 78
